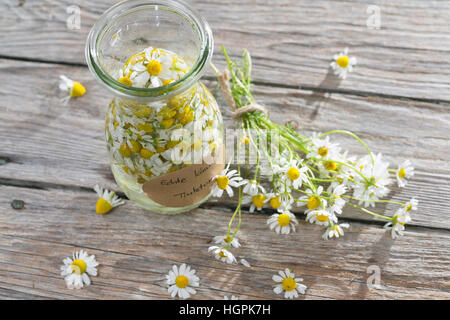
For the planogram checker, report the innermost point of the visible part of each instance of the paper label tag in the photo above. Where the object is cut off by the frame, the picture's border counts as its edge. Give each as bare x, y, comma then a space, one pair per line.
183, 187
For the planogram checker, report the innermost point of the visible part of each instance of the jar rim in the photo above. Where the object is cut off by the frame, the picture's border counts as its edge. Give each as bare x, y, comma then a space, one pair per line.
186, 81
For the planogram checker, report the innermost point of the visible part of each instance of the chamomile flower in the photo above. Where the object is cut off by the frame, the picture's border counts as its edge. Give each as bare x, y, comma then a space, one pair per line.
321, 217
252, 187
75, 89
313, 200
374, 186
342, 64
335, 230
337, 203
294, 174
397, 223
411, 205
279, 201
152, 68
282, 223
404, 171
289, 284
181, 281
231, 298
256, 202
224, 240
323, 149
222, 254
107, 200
224, 181
76, 271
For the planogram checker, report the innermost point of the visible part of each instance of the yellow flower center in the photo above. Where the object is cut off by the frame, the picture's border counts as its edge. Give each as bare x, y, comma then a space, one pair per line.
313, 202
246, 140
395, 221
321, 217
154, 67
77, 90
222, 182
145, 153
125, 151
147, 127
283, 219
126, 81
167, 123
258, 200
198, 144
135, 146
182, 281
289, 284
275, 202
293, 174
401, 173
331, 166
342, 62
143, 112
166, 82
103, 206
227, 239
409, 207
323, 151
223, 255
78, 266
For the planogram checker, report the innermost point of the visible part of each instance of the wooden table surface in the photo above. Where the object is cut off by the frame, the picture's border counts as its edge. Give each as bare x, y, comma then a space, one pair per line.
397, 100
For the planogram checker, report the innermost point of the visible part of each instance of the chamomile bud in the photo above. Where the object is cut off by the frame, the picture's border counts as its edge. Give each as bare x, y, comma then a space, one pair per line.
107, 200
74, 88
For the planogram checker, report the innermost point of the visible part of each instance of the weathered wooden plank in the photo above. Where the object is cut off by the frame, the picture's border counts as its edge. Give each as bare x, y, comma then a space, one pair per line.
136, 249
292, 42
48, 143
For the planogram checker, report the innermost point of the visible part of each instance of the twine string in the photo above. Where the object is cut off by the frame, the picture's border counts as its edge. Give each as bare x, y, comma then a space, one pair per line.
224, 81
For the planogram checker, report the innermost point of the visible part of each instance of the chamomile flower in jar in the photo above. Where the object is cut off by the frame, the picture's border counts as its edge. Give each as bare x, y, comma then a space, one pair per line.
163, 127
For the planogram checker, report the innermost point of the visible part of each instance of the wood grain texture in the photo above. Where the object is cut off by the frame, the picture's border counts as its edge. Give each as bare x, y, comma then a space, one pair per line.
292, 41
47, 143
136, 249
397, 100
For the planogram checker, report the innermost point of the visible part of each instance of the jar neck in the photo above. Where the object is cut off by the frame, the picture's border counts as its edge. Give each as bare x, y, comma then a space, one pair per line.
98, 36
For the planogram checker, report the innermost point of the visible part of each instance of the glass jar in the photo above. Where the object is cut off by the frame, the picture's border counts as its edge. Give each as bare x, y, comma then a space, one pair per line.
165, 143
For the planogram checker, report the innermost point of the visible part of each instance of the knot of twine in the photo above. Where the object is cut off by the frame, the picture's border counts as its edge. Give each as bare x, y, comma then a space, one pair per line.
224, 81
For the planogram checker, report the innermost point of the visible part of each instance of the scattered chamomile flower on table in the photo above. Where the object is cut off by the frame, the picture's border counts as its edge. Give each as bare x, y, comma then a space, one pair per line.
181, 281
224, 240
107, 200
335, 230
222, 254
342, 64
75, 89
282, 223
289, 284
405, 171
78, 269
224, 181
